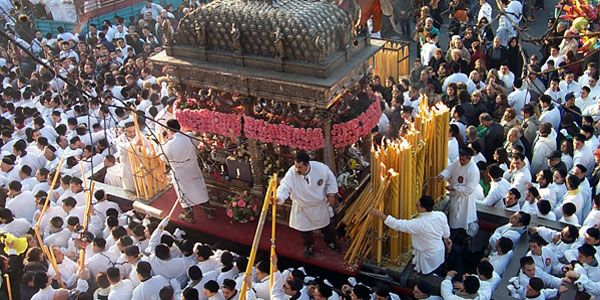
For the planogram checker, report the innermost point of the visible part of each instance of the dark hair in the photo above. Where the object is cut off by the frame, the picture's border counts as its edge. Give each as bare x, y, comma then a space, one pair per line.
516, 193
587, 250
536, 283
471, 284
525, 218
544, 206
167, 292
526, 260
190, 293
568, 209
303, 158
212, 286
573, 181
486, 269
427, 202
505, 244
144, 269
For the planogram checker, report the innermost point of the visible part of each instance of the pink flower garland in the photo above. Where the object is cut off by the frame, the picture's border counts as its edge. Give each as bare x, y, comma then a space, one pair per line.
283, 134
307, 139
204, 120
348, 133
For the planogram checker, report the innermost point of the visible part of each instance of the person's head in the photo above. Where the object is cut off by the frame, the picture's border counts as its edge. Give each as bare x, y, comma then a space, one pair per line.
518, 159
534, 288
144, 270
592, 236
569, 234
425, 204
535, 244
323, 292
471, 285
528, 266
485, 119
228, 288
263, 269
512, 197
465, 155
422, 290
132, 254
587, 254
41, 280
292, 287
359, 292
504, 245
211, 288
167, 293
532, 194
558, 176
514, 134
302, 163
544, 207
573, 182
190, 293
520, 219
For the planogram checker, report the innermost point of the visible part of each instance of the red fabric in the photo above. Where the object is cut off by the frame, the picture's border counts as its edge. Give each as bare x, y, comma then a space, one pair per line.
288, 241
370, 9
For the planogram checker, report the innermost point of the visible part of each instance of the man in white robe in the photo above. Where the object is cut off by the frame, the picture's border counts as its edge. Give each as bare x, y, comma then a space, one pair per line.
312, 188
463, 176
188, 181
427, 232
124, 144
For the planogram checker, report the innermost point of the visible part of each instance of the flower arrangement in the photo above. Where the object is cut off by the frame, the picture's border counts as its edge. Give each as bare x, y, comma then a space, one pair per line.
207, 121
348, 133
283, 134
241, 207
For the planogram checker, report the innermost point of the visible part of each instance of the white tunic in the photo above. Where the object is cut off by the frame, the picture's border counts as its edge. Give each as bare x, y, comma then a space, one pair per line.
309, 196
22, 205
464, 180
123, 290
18, 227
187, 176
498, 190
149, 289
426, 232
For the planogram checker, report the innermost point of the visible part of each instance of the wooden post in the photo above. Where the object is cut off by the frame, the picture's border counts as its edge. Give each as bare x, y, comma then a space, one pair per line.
328, 154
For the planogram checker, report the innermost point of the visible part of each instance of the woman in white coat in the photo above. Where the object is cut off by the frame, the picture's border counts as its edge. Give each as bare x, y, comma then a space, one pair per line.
544, 146
180, 151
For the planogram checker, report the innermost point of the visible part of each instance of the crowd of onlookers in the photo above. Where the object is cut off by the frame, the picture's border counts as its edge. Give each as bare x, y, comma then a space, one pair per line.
525, 126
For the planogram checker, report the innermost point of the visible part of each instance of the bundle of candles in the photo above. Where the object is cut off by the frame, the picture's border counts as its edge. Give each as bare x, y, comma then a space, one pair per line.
149, 172
399, 170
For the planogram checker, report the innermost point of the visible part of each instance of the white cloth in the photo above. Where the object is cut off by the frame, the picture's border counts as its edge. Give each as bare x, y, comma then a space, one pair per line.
484, 292
464, 180
149, 289
518, 179
122, 290
552, 116
427, 232
18, 227
585, 157
187, 175
542, 149
498, 190
309, 196
22, 205
500, 261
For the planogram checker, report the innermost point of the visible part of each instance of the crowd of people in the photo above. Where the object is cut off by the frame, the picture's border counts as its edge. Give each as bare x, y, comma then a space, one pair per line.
522, 138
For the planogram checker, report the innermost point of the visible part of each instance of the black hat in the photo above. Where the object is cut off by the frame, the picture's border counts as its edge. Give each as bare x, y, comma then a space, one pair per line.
555, 155
569, 96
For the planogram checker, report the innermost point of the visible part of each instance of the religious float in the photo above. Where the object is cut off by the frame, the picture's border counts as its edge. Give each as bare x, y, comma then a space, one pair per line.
259, 80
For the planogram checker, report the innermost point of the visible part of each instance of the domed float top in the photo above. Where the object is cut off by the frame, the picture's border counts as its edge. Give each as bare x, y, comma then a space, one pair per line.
305, 31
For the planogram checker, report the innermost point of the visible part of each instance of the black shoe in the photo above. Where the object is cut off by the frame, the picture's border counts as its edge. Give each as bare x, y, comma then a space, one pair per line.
308, 251
334, 247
